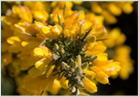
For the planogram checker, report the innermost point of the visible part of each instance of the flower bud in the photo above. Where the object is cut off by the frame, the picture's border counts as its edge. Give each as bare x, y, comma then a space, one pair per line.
62, 51
56, 46
84, 65
79, 60
80, 83
72, 63
73, 89
69, 75
75, 65
79, 70
65, 65
55, 57
77, 78
72, 69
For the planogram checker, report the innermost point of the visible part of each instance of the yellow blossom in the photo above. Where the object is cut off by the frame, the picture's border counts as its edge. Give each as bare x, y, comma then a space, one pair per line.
51, 32
42, 51
89, 85
122, 54
115, 38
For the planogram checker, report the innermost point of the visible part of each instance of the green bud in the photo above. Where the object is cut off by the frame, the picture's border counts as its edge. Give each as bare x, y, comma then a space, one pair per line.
80, 83
62, 51
79, 60
65, 65
69, 75
77, 78
72, 69
73, 89
56, 46
72, 63
79, 70
75, 65
55, 57
84, 65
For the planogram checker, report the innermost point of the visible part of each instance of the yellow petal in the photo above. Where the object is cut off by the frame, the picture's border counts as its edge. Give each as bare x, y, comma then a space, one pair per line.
55, 88
100, 75
95, 7
24, 43
127, 8
95, 49
110, 19
115, 10
42, 51
112, 68
43, 63
33, 72
49, 84
64, 83
89, 73
40, 15
89, 85
13, 39
50, 70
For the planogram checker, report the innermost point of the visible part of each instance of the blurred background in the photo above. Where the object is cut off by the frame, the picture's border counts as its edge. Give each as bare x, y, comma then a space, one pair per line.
129, 26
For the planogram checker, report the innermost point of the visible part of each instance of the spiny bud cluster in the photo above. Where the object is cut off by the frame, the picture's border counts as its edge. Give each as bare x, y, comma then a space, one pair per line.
70, 60
75, 73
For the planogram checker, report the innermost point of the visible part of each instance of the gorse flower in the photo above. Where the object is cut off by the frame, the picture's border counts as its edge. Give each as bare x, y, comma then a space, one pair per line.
120, 52
60, 51
111, 9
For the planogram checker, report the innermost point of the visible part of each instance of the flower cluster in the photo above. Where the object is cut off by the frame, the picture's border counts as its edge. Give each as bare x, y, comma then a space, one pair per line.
120, 52
50, 49
111, 9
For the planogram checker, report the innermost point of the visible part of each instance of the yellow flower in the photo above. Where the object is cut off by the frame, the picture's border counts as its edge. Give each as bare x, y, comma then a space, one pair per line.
89, 85
77, 2
22, 89
42, 51
100, 75
64, 83
115, 38
51, 32
115, 10
55, 88
40, 15
33, 84
109, 17
23, 12
122, 54
96, 8
15, 44
111, 9
61, 4
37, 9
93, 49
107, 66
54, 15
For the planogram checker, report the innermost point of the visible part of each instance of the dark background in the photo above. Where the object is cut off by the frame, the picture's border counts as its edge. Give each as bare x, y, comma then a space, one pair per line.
129, 26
